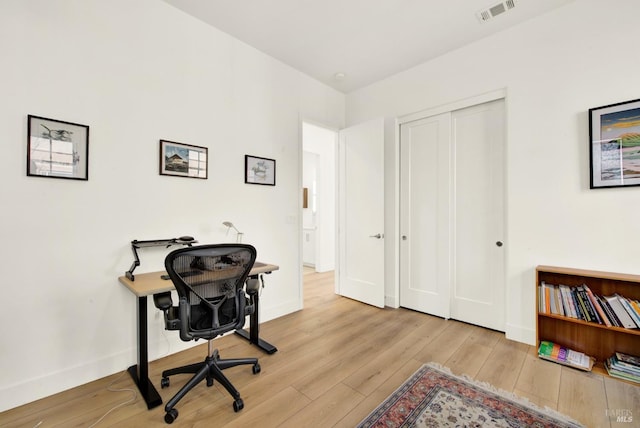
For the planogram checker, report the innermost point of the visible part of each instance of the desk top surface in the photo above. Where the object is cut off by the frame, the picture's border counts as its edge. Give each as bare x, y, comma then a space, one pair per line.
146, 284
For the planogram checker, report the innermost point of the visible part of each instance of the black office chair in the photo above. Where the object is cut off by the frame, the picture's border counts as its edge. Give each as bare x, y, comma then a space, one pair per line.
210, 282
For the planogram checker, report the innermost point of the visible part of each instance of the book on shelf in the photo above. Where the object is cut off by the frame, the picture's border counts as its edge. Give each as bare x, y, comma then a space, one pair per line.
559, 354
621, 313
623, 366
580, 302
599, 313
609, 312
614, 364
626, 304
589, 310
626, 359
569, 303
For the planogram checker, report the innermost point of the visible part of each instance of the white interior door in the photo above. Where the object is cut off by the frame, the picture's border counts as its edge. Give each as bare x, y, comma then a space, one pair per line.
478, 294
425, 214
360, 274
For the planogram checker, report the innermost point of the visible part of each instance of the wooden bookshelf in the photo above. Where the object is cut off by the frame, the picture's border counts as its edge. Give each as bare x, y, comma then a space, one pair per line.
593, 339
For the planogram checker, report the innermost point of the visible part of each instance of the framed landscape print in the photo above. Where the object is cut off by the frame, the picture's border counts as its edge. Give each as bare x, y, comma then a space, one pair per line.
614, 134
183, 160
259, 170
57, 149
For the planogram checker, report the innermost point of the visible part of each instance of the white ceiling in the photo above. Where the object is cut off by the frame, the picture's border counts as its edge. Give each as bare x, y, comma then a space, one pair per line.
367, 40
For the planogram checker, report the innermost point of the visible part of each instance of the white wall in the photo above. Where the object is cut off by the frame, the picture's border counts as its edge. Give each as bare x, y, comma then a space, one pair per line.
135, 72
554, 68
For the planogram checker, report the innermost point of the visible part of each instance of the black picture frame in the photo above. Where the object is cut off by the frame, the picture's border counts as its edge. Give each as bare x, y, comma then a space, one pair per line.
614, 145
259, 170
183, 160
57, 149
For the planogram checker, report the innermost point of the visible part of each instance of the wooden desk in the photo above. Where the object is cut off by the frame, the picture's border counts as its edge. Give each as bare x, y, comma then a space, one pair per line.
147, 284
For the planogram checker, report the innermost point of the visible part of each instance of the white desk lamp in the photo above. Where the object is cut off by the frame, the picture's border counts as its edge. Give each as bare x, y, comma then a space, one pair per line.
229, 226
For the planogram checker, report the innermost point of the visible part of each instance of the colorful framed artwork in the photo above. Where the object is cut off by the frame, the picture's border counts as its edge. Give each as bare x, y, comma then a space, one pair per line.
183, 160
614, 146
57, 149
259, 170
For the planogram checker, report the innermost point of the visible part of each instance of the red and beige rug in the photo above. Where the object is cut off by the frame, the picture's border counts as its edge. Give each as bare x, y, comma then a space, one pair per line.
434, 397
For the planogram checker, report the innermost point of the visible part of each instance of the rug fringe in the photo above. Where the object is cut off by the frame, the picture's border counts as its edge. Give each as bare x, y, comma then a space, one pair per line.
503, 393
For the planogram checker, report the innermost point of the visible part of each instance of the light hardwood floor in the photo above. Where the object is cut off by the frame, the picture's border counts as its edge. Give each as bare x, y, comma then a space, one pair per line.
337, 360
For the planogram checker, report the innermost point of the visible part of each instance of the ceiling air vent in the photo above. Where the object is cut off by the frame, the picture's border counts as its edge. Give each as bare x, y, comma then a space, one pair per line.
495, 10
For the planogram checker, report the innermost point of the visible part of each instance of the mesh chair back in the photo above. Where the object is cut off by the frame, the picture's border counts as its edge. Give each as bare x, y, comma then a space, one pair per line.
209, 280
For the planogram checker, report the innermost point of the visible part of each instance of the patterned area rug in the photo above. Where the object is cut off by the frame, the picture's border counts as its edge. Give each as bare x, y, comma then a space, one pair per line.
434, 397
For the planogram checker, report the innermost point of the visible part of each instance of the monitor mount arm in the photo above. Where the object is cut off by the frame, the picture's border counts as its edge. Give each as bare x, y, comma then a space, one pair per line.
135, 244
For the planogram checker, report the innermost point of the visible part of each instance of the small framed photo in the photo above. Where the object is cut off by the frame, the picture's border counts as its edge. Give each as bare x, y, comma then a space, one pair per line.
259, 170
614, 134
183, 160
57, 149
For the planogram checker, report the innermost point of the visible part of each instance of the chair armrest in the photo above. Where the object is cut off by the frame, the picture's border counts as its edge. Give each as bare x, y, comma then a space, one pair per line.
163, 301
253, 286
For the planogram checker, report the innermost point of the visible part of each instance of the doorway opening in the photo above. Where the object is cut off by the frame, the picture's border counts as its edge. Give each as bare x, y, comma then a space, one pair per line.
319, 187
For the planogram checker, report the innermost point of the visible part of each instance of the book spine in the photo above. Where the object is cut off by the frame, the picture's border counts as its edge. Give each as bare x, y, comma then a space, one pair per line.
615, 372
624, 367
562, 309
576, 302
596, 307
609, 312
635, 305
547, 304
567, 301
582, 297
631, 360
587, 301
621, 313
540, 299
553, 307
629, 309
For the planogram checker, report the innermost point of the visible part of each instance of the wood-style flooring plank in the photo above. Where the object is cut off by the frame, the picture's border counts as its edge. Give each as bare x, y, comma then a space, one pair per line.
504, 363
539, 380
578, 393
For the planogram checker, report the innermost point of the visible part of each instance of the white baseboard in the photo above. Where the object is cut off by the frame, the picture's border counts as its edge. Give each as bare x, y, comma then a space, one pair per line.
273, 312
521, 334
40, 387
36, 388
390, 301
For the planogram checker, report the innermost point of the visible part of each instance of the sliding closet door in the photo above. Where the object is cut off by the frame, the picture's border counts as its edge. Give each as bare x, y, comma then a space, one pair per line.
425, 215
478, 293
452, 215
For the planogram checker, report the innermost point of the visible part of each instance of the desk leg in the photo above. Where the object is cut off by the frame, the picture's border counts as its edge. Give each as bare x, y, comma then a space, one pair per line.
140, 372
254, 328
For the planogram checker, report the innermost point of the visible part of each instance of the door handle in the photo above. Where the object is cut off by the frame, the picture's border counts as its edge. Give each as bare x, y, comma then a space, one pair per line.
377, 236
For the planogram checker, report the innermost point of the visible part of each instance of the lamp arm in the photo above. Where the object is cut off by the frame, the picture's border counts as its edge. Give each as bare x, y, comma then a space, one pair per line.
135, 244
136, 262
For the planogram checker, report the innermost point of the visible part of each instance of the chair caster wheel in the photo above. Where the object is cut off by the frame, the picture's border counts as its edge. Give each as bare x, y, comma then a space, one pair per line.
171, 416
256, 368
238, 405
209, 381
164, 383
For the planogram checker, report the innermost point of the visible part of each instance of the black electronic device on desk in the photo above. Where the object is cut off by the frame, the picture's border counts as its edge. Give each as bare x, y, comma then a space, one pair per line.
135, 244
